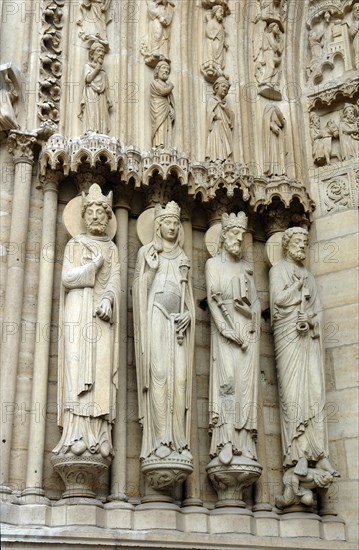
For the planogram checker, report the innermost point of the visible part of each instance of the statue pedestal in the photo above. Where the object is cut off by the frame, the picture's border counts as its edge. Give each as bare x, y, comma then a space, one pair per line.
80, 474
270, 92
163, 474
230, 480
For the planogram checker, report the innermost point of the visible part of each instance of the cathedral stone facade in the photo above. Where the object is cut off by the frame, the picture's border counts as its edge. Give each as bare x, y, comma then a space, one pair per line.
179, 243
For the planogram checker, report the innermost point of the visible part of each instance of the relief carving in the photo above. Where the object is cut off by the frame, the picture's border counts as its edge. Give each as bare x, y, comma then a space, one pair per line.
268, 62
51, 62
95, 103
354, 35
9, 94
216, 45
337, 195
162, 106
93, 21
349, 132
274, 139
322, 139
220, 121
158, 48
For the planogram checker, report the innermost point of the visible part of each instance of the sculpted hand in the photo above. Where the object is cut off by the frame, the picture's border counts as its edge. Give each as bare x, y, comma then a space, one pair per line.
98, 261
304, 318
231, 335
182, 320
104, 310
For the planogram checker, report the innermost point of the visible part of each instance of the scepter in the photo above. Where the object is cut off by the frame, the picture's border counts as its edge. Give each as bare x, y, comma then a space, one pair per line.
217, 297
184, 269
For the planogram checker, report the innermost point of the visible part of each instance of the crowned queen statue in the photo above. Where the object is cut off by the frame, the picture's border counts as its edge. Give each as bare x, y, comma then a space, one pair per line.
164, 339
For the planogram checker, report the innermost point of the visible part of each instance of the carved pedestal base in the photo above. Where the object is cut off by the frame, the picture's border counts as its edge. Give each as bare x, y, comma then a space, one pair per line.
270, 92
229, 481
211, 70
80, 474
163, 474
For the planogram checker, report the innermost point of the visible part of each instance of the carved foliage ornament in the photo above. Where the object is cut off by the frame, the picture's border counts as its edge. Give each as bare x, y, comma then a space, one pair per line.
50, 61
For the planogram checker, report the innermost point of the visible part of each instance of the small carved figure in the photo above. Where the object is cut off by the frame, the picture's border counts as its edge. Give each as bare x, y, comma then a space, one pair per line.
297, 324
216, 36
9, 93
94, 20
164, 325
315, 40
235, 314
322, 139
96, 103
274, 141
298, 489
354, 35
162, 106
161, 14
349, 132
269, 59
88, 351
220, 120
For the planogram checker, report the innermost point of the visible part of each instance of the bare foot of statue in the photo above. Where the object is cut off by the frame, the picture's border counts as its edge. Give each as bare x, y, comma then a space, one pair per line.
226, 454
324, 464
301, 468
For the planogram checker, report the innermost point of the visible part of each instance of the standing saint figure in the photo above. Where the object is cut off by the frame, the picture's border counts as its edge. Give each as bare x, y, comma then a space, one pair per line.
297, 324
354, 35
234, 371
349, 132
220, 120
162, 106
216, 37
88, 348
161, 13
94, 20
269, 59
164, 319
274, 141
95, 102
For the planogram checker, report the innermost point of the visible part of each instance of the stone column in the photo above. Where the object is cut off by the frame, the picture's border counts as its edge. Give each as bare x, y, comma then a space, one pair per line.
21, 146
36, 445
121, 207
193, 482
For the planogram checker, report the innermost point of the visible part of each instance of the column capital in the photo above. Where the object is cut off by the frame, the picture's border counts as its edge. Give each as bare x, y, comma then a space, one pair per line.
50, 181
122, 195
21, 146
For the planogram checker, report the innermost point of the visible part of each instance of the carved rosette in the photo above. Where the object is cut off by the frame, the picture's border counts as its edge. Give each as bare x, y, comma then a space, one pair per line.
80, 474
229, 481
51, 62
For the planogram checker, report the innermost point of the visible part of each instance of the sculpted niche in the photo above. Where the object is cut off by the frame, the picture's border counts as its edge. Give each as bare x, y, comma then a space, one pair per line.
89, 349
297, 324
234, 369
164, 318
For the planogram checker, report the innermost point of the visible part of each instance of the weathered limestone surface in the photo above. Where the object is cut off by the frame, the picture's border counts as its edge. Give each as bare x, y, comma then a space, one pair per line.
292, 65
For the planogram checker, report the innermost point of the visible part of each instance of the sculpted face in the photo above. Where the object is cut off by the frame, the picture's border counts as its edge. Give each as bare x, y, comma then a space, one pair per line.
169, 227
349, 114
164, 72
219, 14
222, 89
356, 12
297, 247
98, 56
96, 219
233, 238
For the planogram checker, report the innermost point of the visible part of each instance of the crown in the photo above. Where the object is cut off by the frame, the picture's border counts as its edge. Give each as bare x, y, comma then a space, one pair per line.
95, 196
171, 209
231, 220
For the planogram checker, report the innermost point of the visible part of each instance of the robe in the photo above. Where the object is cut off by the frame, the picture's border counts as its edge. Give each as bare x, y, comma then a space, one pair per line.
95, 102
164, 367
234, 372
162, 112
220, 119
88, 346
300, 365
